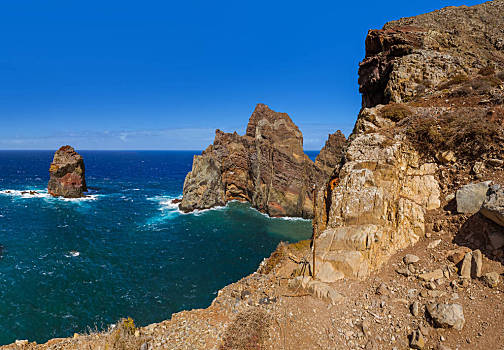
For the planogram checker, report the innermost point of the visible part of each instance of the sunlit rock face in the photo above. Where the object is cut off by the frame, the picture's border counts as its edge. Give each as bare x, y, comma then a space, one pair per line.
67, 174
431, 85
266, 167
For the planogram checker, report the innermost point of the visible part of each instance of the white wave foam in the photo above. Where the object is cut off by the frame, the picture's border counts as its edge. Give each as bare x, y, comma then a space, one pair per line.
72, 254
288, 218
26, 194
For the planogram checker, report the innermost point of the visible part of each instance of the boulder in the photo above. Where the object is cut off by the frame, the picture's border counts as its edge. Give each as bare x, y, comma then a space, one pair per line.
410, 259
476, 264
447, 315
67, 174
471, 197
491, 279
493, 206
465, 270
417, 340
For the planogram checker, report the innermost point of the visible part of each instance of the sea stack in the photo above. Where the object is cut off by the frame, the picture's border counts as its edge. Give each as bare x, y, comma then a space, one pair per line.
67, 175
266, 167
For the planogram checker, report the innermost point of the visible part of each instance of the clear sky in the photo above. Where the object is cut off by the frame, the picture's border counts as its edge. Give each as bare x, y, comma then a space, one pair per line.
165, 74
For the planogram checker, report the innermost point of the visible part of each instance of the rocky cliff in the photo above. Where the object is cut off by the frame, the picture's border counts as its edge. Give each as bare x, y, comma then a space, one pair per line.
266, 167
432, 118
67, 174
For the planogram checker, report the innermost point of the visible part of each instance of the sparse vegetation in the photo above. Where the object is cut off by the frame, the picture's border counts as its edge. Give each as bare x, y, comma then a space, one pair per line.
456, 80
468, 134
395, 112
486, 71
247, 331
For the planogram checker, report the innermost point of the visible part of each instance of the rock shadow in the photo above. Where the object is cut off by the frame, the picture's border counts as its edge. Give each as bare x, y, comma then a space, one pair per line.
478, 232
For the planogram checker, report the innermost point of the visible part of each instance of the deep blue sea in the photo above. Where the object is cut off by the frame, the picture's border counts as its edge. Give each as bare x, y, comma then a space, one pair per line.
125, 251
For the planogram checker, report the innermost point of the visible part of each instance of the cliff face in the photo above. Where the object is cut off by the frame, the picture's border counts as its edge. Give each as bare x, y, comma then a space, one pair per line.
331, 154
416, 55
266, 167
432, 117
67, 174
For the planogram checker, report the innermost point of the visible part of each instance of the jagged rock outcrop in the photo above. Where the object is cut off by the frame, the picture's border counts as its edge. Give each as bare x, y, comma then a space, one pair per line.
432, 93
67, 174
413, 55
493, 206
266, 167
331, 154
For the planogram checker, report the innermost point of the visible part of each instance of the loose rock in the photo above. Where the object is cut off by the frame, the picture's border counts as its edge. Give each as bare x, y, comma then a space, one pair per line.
471, 197
447, 315
491, 279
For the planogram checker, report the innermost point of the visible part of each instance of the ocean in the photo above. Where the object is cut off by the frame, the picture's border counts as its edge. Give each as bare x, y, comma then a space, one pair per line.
77, 265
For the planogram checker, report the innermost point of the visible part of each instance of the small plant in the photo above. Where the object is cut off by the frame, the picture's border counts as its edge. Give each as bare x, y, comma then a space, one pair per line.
248, 331
486, 71
395, 112
456, 80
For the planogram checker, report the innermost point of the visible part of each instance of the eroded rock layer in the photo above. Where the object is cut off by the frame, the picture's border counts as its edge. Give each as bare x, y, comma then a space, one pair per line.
266, 167
67, 174
432, 90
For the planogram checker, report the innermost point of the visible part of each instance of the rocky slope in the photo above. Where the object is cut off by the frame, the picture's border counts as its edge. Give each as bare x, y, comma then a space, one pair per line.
432, 90
266, 167
67, 174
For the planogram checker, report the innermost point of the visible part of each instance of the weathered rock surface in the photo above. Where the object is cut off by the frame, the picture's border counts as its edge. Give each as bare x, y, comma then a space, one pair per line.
493, 206
409, 56
431, 99
329, 158
67, 174
447, 315
377, 206
491, 279
266, 167
470, 197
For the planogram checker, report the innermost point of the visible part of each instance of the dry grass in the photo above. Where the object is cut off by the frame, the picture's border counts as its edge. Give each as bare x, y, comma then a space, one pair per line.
395, 112
247, 331
456, 80
123, 337
469, 134
488, 70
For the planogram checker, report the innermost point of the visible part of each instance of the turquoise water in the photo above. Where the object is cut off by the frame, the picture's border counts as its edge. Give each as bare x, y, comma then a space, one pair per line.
124, 251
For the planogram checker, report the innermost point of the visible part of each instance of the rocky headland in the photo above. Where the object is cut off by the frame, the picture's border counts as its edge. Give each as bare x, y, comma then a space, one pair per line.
266, 167
67, 174
408, 239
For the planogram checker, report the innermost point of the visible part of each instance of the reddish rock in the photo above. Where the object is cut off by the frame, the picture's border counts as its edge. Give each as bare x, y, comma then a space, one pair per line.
329, 158
67, 174
266, 167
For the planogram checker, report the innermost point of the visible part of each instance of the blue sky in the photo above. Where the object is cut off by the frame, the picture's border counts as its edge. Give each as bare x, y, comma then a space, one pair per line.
165, 74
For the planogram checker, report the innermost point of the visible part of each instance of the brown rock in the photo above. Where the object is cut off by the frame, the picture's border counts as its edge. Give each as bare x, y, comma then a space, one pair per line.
457, 255
329, 158
491, 279
67, 174
431, 276
266, 167
477, 264
465, 270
